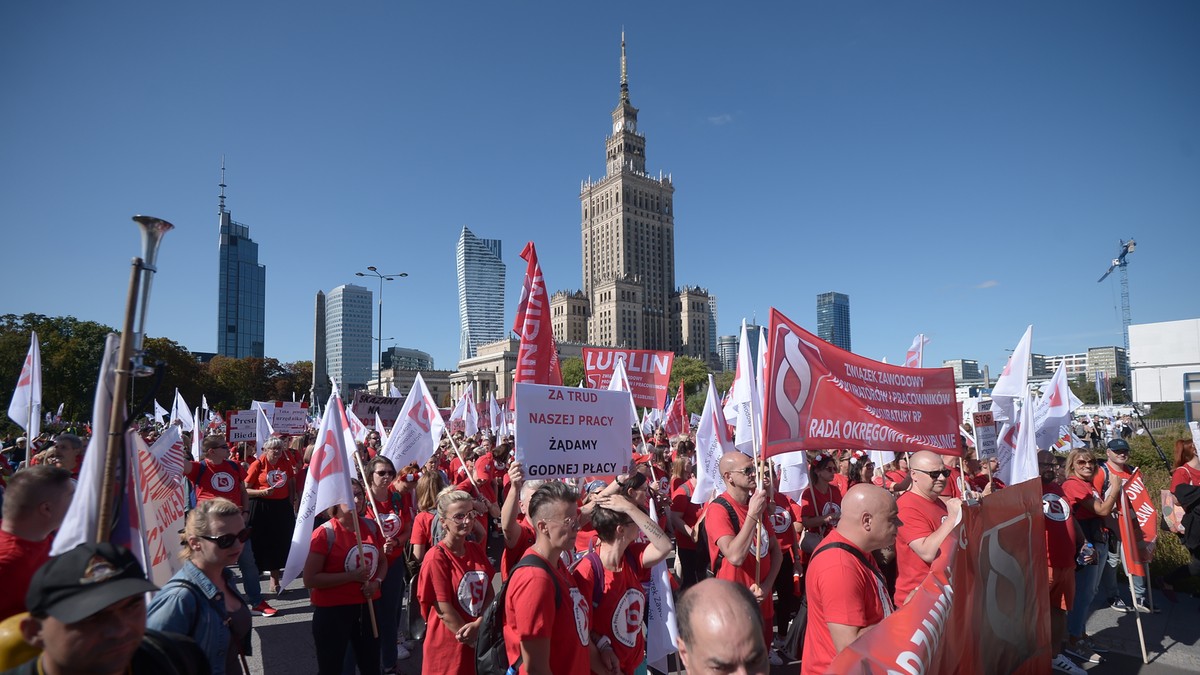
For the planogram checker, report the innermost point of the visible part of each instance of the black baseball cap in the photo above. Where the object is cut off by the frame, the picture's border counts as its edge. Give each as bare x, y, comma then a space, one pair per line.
85, 580
1119, 446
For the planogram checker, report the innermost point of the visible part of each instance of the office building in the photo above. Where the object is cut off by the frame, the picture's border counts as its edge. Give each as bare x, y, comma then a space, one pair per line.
480, 292
833, 319
1113, 361
400, 358
727, 350
241, 288
1075, 364
320, 379
348, 336
714, 360
965, 370
1166, 365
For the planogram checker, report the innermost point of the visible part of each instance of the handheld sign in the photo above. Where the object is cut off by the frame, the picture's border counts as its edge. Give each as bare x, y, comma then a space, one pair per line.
563, 432
242, 425
985, 434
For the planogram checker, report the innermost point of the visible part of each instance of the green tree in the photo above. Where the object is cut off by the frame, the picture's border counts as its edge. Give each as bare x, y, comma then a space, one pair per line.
1085, 391
572, 371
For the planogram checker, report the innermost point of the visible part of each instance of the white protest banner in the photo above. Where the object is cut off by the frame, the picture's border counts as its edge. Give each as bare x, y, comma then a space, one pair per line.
242, 425
291, 418
366, 406
160, 487
564, 432
985, 434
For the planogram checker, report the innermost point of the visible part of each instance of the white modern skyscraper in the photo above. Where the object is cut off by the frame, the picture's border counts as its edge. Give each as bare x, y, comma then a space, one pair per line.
348, 324
480, 292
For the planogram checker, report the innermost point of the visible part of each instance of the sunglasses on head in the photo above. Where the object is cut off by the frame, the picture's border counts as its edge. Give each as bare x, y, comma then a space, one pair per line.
226, 540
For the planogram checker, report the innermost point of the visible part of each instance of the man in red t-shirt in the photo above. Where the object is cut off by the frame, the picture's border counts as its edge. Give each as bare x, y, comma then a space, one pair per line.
1061, 548
34, 505
748, 553
1117, 468
927, 522
219, 476
727, 629
547, 619
847, 594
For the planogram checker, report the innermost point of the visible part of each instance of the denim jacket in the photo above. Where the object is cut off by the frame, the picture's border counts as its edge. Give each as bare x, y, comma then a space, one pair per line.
176, 609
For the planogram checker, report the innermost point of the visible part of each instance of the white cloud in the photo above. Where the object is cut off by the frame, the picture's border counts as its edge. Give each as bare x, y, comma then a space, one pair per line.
719, 120
990, 283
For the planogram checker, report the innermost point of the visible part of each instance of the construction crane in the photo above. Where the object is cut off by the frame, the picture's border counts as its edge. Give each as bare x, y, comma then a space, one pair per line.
1120, 261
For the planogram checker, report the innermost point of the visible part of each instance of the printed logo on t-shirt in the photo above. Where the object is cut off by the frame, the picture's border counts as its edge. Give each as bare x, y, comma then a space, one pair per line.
222, 482
276, 478
390, 523
781, 519
627, 617
582, 611
832, 508
369, 552
1055, 508
472, 589
760, 546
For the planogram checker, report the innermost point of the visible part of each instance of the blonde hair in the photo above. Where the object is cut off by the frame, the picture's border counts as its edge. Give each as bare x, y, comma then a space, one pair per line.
200, 520
1076, 454
449, 497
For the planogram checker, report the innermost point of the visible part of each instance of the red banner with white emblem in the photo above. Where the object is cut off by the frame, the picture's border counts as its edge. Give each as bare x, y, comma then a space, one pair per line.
817, 396
984, 608
537, 357
1139, 524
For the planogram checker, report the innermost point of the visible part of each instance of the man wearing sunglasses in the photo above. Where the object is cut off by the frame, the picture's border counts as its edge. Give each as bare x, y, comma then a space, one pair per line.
928, 521
1117, 468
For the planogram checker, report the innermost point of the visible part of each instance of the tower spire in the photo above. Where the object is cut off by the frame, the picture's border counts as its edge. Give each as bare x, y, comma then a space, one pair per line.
624, 75
222, 184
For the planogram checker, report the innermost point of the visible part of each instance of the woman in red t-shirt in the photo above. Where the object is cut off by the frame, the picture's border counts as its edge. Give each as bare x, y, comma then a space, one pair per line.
821, 503
342, 578
388, 511
684, 516
453, 588
1089, 511
1186, 476
271, 485
428, 486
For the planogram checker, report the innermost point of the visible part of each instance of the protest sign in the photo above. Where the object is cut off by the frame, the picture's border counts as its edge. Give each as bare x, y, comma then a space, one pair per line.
366, 406
564, 432
161, 495
287, 418
993, 618
1138, 524
241, 425
818, 396
649, 372
985, 434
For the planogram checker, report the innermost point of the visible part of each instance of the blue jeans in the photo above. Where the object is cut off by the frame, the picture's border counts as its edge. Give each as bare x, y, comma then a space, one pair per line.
1087, 581
1108, 578
249, 571
391, 595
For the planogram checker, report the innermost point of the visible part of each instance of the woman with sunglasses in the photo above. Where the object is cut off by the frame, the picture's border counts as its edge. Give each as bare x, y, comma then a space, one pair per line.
271, 486
388, 511
1090, 511
342, 578
821, 503
453, 588
200, 599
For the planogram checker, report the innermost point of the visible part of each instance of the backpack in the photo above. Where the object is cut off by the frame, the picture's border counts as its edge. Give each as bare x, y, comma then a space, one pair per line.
702, 538
491, 654
593, 558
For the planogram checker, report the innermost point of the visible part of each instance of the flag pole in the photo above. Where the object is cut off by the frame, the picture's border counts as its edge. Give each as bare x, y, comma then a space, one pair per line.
363, 560
1127, 516
758, 480
470, 476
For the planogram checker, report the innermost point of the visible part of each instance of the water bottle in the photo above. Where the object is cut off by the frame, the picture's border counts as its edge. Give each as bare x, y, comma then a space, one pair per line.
1084, 553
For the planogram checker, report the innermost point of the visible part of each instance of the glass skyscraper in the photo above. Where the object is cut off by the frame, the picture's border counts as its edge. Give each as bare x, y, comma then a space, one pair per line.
348, 324
241, 289
833, 319
480, 292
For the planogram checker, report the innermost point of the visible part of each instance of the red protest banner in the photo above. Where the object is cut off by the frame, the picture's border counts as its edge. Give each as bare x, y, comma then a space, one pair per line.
649, 372
984, 608
818, 396
537, 357
1139, 524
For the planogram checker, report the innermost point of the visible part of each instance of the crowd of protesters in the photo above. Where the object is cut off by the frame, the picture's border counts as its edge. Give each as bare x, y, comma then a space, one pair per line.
413, 563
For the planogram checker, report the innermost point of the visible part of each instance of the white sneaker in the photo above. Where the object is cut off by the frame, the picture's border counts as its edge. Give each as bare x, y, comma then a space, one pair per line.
776, 659
1063, 664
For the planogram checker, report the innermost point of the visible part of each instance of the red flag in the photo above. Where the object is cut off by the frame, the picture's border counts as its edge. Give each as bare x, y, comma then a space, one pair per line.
819, 396
1139, 524
537, 358
678, 422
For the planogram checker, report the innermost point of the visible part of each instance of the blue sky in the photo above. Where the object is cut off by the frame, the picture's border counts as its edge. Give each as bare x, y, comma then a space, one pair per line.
959, 169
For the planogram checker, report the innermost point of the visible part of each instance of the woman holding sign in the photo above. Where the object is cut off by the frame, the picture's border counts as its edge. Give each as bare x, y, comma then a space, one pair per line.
270, 483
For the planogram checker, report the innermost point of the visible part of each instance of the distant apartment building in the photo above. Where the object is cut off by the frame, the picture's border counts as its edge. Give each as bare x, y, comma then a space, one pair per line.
965, 370
348, 323
1112, 361
1075, 364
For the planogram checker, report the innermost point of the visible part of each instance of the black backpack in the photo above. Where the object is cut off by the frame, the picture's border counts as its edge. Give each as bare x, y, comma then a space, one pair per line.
491, 654
702, 538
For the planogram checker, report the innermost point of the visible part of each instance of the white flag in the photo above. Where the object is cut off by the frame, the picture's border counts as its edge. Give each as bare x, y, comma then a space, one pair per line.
662, 632
328, 483
262, 431
1016, 446
710, 445
497, 417
162, 499
180, 411
417, 430
743, 408
1013, 382
379, 427
916, 353
393, 391
25, 408
354, 426
620, 382
792, 468
1053, 410
467, 411
161, 414
79, 525
204, 403
197, 441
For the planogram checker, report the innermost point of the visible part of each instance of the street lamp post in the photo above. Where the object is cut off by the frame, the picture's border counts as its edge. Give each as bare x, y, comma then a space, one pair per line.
372, 272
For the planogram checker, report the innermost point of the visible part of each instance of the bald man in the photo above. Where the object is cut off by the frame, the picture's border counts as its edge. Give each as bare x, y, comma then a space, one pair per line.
847, 593
928, 520
737, 539
720, 630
